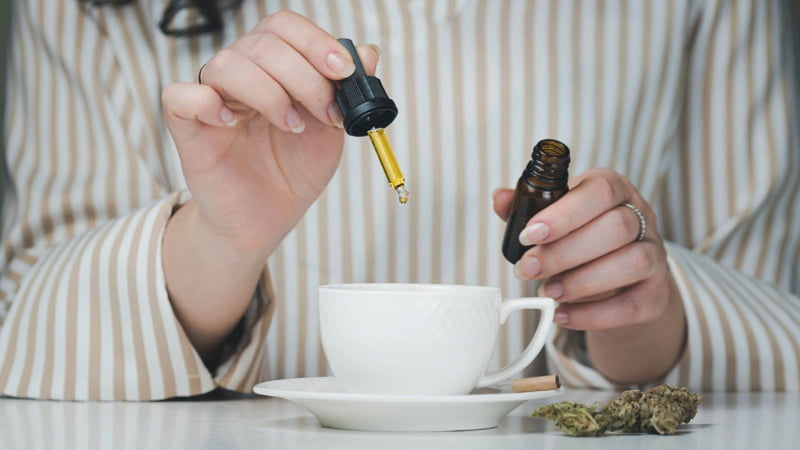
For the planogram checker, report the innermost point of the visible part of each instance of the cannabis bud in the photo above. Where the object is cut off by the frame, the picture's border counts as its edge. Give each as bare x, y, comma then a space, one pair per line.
573, 418
661, 410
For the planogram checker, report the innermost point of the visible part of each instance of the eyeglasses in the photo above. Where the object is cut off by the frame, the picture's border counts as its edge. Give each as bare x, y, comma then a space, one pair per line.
104, 2
207, 12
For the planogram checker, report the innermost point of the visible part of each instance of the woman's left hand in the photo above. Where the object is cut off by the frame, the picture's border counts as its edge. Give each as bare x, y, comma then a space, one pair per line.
586, 248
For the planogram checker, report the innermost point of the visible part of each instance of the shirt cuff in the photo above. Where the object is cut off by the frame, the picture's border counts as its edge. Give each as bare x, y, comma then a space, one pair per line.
91, 320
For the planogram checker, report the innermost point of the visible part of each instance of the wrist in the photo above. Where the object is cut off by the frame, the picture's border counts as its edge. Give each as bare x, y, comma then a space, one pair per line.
209, 280
207, 242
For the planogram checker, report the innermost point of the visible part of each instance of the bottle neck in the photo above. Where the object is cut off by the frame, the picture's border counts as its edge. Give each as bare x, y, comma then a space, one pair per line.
549, 165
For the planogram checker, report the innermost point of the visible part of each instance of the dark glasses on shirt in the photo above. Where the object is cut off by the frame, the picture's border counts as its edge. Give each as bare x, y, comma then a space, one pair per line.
206, 14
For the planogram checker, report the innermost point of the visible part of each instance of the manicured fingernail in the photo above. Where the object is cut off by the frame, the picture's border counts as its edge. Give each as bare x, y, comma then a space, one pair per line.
533, 234
340, 64
294, 121
335, 115
561, 318
527, 268
553, 289
227, 117
375, 48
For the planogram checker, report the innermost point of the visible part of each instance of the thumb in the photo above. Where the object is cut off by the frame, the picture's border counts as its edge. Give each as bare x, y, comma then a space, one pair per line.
501, 202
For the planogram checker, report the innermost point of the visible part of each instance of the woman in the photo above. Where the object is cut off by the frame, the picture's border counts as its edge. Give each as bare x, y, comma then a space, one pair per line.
120, 284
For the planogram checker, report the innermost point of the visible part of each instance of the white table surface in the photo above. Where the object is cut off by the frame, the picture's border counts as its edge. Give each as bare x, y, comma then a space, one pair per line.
725, 421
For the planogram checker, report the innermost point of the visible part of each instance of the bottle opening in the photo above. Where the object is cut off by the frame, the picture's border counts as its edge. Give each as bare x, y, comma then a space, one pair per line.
548, 168
552, 147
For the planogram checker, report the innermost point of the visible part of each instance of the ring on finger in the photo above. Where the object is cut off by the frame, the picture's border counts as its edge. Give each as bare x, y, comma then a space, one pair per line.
642, 222
200, 74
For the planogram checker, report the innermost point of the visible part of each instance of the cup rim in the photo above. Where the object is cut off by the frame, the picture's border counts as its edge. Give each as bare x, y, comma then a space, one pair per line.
427, 288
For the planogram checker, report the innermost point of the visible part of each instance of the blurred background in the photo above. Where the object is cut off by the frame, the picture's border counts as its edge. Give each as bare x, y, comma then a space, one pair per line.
5, 16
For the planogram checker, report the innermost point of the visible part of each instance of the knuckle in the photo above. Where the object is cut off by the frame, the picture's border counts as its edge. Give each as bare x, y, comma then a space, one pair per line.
623, 179
652, 299
590, 318
630, 309
552, 258
264, 44
604, 173
323, 92
279, 17
607, 190
642, 260
574, 286
626, 225
219, 62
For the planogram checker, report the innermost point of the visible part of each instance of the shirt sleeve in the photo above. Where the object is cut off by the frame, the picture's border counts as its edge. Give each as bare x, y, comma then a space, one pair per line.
91, 320
84, 309
730, 208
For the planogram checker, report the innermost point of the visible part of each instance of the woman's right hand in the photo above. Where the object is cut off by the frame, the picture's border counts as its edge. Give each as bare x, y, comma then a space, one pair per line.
258, 139
258, 142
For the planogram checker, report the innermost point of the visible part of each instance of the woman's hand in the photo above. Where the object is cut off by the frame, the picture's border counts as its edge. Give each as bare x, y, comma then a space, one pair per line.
616, 288
258, 142
258, 139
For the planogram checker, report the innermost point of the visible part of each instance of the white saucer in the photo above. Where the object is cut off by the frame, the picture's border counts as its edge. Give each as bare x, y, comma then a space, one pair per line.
335, 408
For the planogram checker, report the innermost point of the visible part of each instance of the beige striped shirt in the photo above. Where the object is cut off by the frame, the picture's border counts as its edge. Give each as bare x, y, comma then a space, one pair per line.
692, 100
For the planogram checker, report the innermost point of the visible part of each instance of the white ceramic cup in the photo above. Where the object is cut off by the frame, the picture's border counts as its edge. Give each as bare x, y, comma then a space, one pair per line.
420, 339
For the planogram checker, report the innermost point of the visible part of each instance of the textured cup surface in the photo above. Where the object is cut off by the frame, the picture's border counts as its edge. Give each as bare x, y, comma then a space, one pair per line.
408, 339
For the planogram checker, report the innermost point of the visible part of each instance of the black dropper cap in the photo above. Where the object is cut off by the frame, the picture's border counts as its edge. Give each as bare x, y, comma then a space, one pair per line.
362, 99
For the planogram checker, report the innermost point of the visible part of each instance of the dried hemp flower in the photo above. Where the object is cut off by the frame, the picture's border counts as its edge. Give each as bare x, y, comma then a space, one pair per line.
661, 410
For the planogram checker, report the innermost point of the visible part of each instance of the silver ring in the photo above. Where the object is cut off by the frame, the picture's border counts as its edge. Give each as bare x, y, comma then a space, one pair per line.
200, 74
642, 222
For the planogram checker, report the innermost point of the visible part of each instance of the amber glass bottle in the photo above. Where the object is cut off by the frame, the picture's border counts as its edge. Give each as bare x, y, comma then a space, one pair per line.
543, 182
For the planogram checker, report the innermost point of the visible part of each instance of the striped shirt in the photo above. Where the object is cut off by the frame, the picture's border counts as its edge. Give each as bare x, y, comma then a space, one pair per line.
692, 100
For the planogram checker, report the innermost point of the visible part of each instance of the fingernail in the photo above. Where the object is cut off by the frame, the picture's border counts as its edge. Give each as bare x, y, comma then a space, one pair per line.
376, 49
335, 115
534, 233
553, 289
527, 268
294, 121
341, 65
227, 116
561, 318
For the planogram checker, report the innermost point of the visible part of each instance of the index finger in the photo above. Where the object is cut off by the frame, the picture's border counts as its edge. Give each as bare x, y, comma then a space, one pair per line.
318, 46
598, 191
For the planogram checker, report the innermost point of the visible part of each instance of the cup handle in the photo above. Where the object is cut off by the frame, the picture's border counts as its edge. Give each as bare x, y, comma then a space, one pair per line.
547, 306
